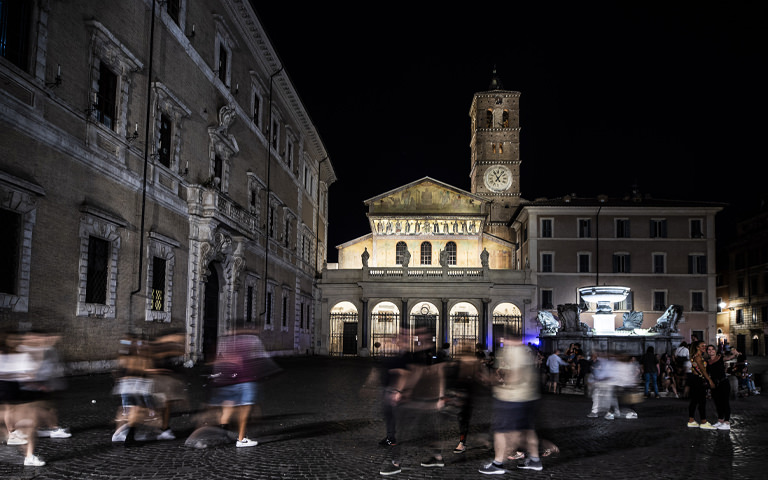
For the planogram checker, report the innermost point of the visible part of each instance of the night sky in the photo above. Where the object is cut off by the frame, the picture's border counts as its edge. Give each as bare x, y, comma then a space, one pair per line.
670, 99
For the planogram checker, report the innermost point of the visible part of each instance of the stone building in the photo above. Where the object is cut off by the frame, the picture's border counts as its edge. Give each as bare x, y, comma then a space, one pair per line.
476, 267
157, 171
743, 288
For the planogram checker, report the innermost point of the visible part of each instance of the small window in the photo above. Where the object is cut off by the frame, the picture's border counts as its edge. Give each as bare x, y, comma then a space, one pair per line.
223, 69
584, 262
697, 301
257, 110
622, 228
10, 250
285, 311
659, 301
585, 228
659, 263
164, 145
547, 262
426, 253
547, 299
659, 228
621, 263
158, 284
546, 228
106, 97
697, 264
98, 271
400, 250
15, 22
249, 296
450, 249
173, 7
268, 309
697, 231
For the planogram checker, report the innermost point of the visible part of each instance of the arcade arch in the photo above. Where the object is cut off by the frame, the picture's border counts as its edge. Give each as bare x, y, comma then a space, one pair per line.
385, 326
344, 324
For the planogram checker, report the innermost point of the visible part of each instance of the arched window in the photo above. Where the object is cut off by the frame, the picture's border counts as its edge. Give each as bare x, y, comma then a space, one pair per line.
400, 249
426, 253
505, 119
489, 118
450, 249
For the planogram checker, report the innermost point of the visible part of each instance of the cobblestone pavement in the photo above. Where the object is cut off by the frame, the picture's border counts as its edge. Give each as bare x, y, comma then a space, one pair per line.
321, 419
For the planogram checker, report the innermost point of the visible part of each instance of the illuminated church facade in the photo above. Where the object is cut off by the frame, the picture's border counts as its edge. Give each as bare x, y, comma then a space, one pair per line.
475, 267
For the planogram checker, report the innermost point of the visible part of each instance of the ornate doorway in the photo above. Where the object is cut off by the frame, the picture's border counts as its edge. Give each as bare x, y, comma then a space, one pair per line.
211, 313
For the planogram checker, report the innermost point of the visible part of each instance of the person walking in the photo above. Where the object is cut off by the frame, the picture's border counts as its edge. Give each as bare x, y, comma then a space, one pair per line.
697, 381
554, 362
515, 399
235, 388
721, 394
651, 371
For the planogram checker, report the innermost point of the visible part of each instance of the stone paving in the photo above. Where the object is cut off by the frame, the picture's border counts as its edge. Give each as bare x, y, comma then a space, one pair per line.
321, 419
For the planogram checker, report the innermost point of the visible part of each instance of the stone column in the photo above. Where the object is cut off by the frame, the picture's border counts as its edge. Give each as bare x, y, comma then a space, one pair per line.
444, 337
364, 323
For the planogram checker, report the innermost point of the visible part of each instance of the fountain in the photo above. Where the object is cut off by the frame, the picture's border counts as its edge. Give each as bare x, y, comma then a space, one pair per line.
603, 336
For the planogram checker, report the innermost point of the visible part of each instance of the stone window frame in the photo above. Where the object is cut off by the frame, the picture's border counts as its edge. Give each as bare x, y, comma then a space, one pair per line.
182, 13
164, 101
251, 281
224, 38
162, 247
551, 264
269, 306
579, 256
100, 224
107, 49
289, 220
654, 255
255, 189
257, 93
622, 227
542, 230
425, 257
653, 300
700, 307
285, 308
20, 196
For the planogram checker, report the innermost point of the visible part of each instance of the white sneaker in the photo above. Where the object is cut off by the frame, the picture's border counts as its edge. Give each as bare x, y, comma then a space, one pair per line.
246, 442
609, 416
167, 435
33, 461
120, 434
59, 433
722, 426
716, 425
631, 415
16, 438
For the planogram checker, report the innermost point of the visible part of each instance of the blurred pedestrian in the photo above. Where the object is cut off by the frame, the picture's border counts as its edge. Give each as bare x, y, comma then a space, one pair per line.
650, 364
418, 393
134, 387
515, 398
167, 377
698, 380
554, 362
721, 394
236, 371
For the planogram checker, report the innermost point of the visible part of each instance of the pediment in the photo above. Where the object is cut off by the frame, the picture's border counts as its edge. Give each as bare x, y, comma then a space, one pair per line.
426, 196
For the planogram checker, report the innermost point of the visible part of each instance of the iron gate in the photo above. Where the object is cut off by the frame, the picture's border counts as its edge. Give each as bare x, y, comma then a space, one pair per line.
463, 333
343, 334
505, 328
385, 328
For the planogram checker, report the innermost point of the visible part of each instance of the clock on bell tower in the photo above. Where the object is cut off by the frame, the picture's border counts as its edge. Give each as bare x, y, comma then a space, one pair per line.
495, 147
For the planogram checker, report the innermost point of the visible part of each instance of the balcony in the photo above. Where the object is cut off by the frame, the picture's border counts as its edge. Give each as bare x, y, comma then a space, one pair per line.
212, 203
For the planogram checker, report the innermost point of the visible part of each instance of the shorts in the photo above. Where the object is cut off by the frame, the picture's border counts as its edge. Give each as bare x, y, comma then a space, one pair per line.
512, 416
234, 395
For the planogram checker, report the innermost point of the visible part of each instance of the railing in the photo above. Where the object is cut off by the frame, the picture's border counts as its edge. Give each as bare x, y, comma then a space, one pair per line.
458, 273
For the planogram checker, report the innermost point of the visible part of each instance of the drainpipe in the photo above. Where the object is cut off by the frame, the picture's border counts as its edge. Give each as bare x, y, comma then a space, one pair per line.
269, 191
146, 148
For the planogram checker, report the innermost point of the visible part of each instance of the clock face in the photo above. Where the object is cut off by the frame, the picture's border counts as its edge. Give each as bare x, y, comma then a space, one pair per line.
498, 178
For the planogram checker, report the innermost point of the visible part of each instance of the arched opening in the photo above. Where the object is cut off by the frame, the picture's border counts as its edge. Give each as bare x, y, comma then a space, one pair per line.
423, 326
385, 329
464, 328
344, 323
211, 313
507, 324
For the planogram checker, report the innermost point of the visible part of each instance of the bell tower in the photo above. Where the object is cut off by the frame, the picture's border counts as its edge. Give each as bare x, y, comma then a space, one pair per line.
495, 148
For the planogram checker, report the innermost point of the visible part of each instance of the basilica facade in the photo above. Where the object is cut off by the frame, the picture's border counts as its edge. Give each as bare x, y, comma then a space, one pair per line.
474, 268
